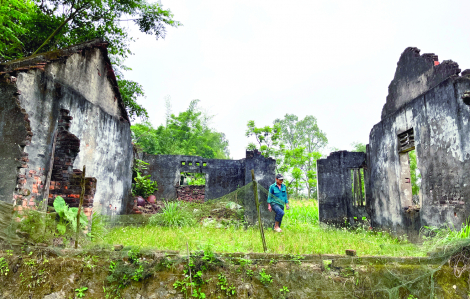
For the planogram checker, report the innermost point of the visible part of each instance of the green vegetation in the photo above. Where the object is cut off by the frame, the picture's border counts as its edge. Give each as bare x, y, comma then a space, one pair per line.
172, 216
81, 292
143, 185
296, 146
68, 216
196, 179
302, 234
415, 175
34, 26
186, 134
265, 278
358, 147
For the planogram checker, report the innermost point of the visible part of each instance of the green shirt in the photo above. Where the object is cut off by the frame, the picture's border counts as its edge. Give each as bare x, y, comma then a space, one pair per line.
278, 196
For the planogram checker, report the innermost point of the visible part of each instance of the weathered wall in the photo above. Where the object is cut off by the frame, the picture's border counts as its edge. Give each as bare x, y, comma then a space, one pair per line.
222, 177
15, 134
57, 274
335, 198
79, 80
440, 121
265, 172
414, 76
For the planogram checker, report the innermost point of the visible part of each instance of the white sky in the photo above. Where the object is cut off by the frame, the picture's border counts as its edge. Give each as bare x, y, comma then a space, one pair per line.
258, 60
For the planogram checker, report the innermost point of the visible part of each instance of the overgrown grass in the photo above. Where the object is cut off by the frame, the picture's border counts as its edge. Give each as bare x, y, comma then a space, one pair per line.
301, 234
173, 215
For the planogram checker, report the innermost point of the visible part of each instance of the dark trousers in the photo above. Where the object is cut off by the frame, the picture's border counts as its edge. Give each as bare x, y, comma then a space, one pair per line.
279, 210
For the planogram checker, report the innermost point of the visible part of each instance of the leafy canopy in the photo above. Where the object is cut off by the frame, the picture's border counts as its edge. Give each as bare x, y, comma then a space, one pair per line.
295, 144
188, 133
35, 26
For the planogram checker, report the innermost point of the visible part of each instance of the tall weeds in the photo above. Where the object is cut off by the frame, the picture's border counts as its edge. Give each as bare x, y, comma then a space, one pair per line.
172, 215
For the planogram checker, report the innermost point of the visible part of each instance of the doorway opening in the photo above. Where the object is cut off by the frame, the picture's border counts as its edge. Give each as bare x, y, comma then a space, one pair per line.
410, 177
192, 187
357, 187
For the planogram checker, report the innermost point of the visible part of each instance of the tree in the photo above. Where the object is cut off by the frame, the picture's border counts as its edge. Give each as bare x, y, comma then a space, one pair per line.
303, 139
186, 134
267, 138
130, 92
296, 145
56, 24
358, 147
13, 16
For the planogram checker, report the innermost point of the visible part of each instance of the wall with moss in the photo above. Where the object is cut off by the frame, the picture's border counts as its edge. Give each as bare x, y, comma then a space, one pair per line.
132, 273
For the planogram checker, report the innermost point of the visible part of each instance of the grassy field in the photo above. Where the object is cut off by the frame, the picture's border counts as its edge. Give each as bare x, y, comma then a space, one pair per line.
301, 235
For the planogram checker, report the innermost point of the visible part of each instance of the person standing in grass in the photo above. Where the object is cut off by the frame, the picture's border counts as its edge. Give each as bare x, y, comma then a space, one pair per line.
277, 198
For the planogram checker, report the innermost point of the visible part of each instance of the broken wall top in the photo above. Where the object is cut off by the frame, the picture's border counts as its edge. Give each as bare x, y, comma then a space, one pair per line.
415, 75
42, 60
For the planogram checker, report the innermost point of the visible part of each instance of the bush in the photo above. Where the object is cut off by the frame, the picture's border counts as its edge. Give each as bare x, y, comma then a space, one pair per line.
143, 185
39, 226
173, 215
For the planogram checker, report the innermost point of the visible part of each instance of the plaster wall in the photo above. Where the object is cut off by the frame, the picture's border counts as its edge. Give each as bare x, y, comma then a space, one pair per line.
13, 133
335, 198
222, 177
79, 84
439, 119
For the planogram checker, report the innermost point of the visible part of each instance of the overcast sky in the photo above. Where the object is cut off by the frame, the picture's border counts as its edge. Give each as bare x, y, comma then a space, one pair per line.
258, 60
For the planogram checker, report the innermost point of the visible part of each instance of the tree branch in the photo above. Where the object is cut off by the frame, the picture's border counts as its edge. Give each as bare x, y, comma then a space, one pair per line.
61, 26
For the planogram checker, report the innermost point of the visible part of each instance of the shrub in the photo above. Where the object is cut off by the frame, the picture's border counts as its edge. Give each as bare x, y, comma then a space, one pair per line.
68, 216
98, 226
172, 215
143, 185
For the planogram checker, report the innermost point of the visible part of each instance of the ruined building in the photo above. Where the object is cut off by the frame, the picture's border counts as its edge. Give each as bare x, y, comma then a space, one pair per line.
221, 176
62, 110
59, 111
425, 111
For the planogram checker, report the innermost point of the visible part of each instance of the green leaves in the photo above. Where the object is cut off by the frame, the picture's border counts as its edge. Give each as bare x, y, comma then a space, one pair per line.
267, 138
295, 144
143, 185
186, 134
68, 216
44, 25
130, 92
13, 16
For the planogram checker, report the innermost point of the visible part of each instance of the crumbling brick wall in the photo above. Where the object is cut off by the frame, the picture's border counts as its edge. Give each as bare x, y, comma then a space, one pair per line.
191, 193
65, 181
79, 79
15, 133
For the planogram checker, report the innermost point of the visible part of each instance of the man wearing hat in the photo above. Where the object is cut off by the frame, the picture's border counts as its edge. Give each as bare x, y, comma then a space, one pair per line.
277, 198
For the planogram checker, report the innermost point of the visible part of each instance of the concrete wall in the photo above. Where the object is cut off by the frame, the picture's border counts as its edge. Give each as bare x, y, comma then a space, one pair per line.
14, 132
265, 172
335, 197
82, 83
440, 121
222, 177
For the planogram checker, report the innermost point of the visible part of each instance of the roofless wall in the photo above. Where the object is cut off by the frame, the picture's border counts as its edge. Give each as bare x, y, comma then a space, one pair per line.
71, 90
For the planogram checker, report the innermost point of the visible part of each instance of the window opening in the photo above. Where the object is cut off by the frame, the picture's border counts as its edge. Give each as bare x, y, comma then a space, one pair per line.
183, 163
204, 164
190, 163
357, 187
188, 178
198, 164
406, 141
